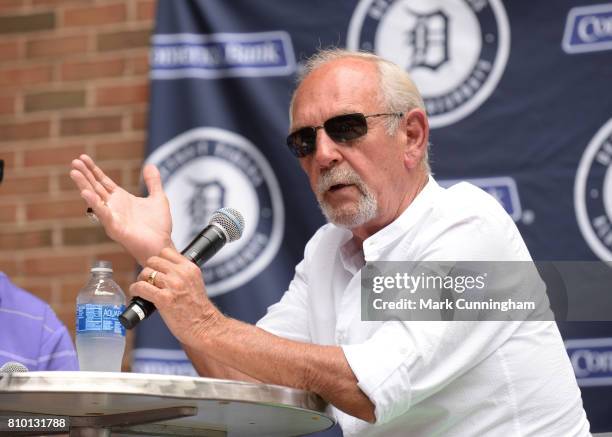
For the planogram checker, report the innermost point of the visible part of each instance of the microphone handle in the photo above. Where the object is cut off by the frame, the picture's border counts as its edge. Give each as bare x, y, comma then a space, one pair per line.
205, 245
202, 248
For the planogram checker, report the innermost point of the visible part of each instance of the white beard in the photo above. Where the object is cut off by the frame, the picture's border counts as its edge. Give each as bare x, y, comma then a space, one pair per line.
355, 215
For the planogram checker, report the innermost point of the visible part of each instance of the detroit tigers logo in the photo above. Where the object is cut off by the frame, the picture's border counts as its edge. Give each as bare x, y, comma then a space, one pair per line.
593, 193
207, 168
455, 50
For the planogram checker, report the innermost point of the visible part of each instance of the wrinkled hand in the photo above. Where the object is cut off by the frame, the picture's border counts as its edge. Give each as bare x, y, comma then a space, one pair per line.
179, 294
140, 224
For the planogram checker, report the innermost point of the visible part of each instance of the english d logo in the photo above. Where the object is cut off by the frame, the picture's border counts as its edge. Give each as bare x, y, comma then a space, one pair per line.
455, 50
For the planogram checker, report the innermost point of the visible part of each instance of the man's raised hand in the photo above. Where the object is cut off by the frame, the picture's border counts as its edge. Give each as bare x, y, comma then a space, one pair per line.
140, 224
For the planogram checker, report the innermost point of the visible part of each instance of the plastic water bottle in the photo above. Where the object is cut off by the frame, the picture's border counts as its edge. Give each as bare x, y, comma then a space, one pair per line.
100, 338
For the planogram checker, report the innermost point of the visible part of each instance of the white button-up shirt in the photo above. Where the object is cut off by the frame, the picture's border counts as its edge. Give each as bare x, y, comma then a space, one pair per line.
452, 378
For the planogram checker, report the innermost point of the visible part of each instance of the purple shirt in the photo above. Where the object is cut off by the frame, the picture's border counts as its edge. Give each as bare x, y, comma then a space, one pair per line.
30, 332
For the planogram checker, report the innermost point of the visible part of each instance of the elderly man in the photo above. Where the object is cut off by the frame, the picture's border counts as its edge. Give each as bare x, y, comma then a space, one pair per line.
360, 132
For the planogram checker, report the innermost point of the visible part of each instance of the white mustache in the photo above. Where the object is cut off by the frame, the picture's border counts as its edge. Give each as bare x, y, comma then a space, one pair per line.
339, 175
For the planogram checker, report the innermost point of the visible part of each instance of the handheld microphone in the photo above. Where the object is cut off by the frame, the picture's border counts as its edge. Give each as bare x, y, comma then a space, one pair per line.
225, 225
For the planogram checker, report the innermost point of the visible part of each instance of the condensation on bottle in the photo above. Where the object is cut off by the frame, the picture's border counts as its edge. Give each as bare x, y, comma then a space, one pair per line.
100, 337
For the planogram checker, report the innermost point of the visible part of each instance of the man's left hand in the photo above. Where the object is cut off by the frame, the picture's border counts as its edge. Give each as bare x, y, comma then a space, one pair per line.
179, 294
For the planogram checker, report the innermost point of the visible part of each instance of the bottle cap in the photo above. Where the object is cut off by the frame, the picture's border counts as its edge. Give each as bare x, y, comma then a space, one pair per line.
102, 266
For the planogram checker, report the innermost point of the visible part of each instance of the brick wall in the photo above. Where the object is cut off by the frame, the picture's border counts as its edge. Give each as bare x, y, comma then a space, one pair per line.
73, 79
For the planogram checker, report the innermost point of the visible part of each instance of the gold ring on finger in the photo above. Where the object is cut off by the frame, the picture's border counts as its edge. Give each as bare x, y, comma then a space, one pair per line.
151, 278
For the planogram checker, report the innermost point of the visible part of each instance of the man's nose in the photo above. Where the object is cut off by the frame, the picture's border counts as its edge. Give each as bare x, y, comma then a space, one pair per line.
327, 152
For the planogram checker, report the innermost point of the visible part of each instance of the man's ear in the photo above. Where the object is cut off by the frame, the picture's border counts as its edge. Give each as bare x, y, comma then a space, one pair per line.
416, 128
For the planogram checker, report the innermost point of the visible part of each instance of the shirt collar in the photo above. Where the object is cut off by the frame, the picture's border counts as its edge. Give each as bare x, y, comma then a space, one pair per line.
353, 258
351, 254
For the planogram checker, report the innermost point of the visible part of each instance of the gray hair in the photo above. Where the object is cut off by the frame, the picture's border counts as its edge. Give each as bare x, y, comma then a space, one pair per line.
397, 90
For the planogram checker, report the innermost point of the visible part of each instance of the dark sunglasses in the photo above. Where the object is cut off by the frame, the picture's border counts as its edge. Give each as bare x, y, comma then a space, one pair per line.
341, 128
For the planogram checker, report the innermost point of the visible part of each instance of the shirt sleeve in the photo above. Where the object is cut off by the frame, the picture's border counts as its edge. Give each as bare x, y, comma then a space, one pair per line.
56, 350
289, 317
406, 362
402, 363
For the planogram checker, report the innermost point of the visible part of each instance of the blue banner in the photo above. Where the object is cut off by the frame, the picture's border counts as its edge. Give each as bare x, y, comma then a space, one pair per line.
518, 95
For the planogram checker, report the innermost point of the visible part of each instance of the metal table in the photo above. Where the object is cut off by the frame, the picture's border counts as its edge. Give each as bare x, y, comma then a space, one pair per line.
99, 403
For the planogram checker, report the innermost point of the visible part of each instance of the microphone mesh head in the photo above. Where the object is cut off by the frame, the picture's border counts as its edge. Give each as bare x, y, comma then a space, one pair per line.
12, 367
230, 220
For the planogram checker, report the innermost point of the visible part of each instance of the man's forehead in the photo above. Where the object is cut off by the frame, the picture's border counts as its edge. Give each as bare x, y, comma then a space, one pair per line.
336, 73
340, 86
